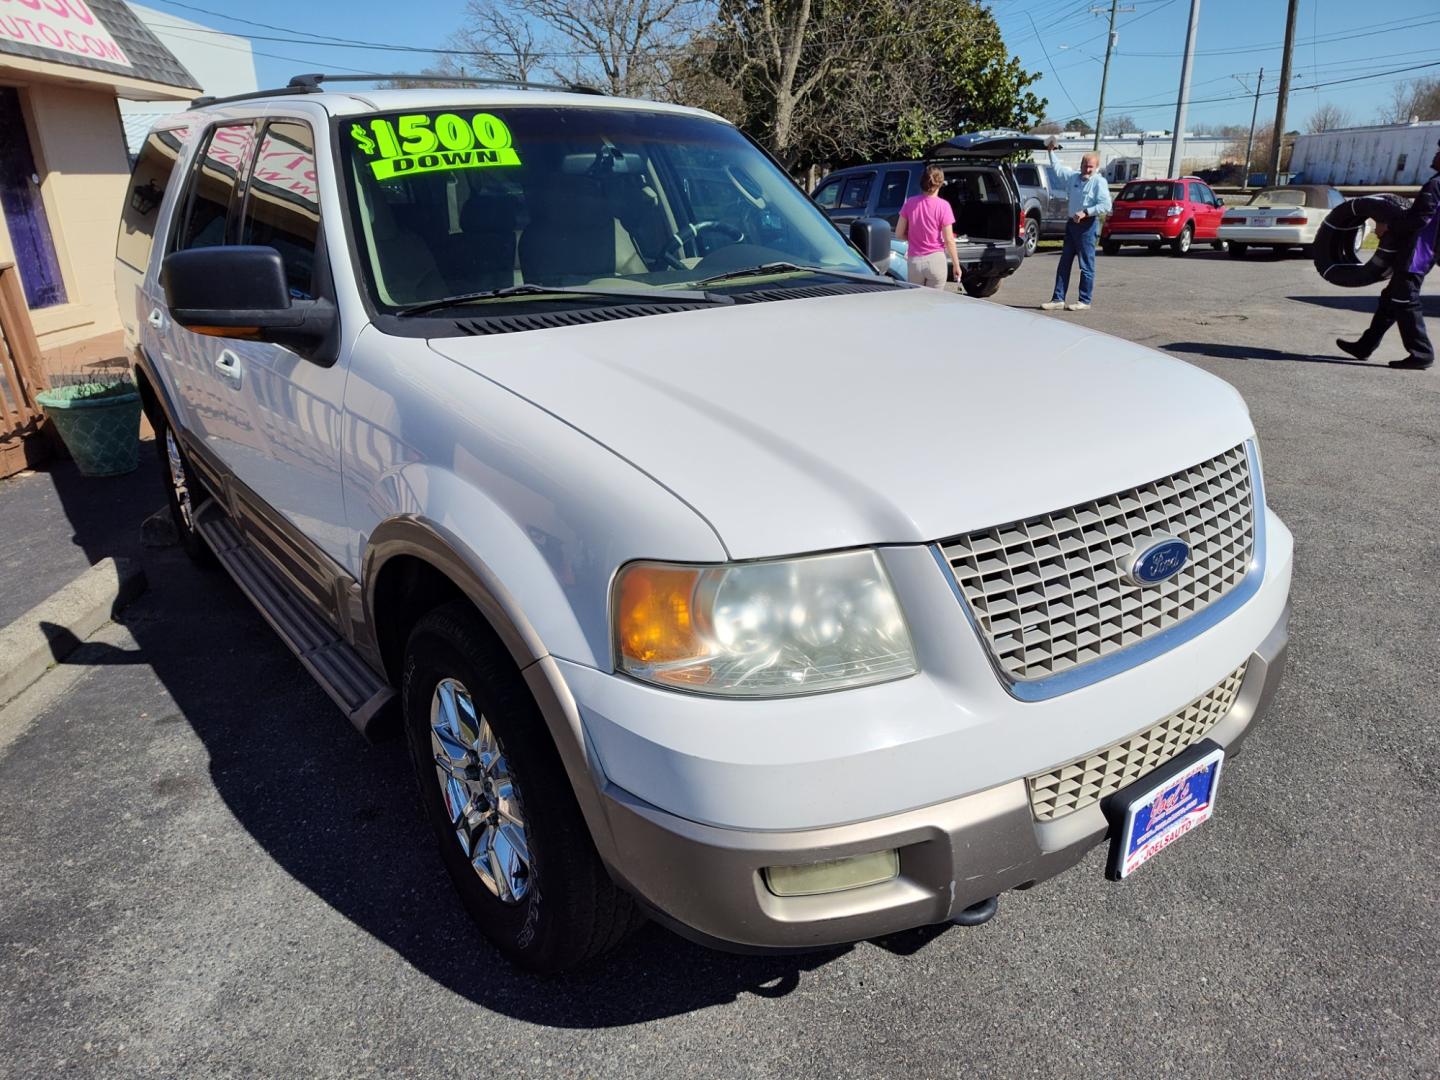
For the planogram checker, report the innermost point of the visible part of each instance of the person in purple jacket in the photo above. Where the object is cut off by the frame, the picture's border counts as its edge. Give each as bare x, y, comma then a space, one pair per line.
1400, 300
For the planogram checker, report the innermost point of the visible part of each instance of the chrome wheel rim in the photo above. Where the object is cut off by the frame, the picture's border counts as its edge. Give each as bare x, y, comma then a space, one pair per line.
480, 796
1184, 239
178, 480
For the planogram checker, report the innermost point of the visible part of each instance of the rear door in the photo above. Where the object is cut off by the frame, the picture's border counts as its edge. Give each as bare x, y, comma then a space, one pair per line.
894, 190
1207, 211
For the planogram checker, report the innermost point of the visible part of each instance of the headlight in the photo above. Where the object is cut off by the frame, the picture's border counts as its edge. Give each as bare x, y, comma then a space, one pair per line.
762, 629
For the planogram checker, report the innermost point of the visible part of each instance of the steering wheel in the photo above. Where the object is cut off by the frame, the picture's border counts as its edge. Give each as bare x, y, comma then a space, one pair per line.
732, 233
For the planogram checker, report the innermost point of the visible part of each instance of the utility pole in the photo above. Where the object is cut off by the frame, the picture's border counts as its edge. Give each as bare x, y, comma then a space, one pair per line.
1254, 113
1105, 75
1284, 93
1177, 139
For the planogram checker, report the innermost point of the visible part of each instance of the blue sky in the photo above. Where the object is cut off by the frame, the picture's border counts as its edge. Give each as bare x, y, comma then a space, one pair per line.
1060, 38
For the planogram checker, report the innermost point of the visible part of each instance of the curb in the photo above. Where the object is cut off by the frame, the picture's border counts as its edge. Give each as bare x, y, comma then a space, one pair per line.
49, 631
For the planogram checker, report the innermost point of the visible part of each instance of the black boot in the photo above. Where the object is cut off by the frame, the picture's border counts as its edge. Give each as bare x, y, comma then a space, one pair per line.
1352, 348
1411, 364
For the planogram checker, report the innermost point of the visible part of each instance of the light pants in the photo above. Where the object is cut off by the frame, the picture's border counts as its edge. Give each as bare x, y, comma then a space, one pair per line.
927, 270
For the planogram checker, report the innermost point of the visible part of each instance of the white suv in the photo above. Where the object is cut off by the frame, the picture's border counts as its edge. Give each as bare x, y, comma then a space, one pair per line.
745, 619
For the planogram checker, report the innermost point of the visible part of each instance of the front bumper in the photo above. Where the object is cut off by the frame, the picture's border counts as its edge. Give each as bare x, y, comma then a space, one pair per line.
706, 881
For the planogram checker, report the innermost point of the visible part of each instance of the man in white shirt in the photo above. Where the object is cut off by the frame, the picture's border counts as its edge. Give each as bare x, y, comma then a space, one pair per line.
1089, 198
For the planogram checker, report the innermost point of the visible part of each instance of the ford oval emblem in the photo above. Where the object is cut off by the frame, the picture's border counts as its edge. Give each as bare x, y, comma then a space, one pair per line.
1156, 559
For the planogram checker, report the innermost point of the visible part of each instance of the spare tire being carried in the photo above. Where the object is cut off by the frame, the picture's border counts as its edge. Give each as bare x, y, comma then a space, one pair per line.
1337, 244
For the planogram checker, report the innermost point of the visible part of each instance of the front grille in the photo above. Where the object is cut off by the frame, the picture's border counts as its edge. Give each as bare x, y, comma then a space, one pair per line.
1075, 786
1048, 593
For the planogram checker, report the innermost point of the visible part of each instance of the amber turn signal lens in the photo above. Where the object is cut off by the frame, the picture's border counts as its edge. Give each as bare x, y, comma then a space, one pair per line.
655, 614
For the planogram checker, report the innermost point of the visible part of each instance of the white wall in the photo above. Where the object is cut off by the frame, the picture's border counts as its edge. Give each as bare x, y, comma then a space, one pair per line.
1153, 150
1368, 155
222, 63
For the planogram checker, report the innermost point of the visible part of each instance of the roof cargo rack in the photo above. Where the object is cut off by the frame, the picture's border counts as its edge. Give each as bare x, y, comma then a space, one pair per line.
313, 83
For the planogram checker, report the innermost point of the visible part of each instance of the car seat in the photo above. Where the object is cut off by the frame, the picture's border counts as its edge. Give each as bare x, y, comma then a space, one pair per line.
574, 237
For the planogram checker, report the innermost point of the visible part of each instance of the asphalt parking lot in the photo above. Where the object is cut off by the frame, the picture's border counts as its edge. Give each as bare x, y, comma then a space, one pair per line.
205, 872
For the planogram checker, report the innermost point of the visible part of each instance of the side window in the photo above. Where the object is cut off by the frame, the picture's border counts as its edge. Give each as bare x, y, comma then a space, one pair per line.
827, 195
857, 192
1195, 195
1027, 175
282, 202
219, 168
892, 192
148, 184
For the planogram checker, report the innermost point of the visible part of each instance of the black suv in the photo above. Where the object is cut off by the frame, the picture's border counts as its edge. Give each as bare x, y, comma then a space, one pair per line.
979, 184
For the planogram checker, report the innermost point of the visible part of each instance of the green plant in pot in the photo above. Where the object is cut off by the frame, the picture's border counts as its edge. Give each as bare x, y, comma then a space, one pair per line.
98, 419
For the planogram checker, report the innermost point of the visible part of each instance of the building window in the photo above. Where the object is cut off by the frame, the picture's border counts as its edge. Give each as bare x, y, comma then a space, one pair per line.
1400, 164
24, 209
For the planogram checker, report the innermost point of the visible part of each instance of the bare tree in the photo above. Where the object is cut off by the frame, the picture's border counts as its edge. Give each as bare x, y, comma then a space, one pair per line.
624, 45
1047, 127
1119, 125
1327, 117
1418, 99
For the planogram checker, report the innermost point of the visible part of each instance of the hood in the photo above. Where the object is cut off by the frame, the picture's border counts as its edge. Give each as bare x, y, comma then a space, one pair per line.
886, 417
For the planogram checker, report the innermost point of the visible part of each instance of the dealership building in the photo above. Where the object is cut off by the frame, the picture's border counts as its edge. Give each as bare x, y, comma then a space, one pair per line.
64, 167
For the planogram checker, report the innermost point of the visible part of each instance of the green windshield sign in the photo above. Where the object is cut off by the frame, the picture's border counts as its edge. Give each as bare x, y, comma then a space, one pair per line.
419, 143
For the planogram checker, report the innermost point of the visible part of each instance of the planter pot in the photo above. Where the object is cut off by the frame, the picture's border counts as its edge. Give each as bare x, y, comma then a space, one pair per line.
100, 425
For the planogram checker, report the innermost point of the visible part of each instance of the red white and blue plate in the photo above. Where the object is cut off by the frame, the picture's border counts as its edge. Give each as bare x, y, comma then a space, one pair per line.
1171, 803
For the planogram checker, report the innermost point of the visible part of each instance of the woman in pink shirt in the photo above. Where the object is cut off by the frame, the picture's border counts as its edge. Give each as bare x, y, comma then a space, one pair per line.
928, 224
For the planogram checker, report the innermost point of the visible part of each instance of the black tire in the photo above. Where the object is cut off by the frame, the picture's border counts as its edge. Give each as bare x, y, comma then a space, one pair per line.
583, 913
1110, 247
184, 493
980, 287
1181, 244
1032, 235
1308, 250
1238, 250
1220, 245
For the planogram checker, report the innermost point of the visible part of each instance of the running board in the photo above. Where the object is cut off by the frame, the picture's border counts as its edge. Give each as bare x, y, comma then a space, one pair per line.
337, 667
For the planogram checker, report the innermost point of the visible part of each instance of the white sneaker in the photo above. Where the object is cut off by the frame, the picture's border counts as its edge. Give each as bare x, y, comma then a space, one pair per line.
1052, 305
1077, 306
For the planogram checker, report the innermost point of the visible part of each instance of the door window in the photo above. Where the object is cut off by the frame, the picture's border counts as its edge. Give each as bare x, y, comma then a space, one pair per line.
214, 181
282, 202
892, 192
857, 192
1197, 193
1028, 175
148, 183
827, 195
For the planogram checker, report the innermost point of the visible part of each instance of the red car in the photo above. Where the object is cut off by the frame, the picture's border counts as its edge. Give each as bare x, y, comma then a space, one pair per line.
1153, 212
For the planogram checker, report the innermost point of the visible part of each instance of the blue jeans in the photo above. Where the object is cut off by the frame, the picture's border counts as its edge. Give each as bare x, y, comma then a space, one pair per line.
1079, 240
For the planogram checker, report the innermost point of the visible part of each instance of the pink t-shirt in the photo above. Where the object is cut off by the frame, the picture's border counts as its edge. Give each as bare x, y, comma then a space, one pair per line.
928, 215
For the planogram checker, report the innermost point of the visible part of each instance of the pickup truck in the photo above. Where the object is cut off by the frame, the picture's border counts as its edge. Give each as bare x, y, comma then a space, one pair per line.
564, 438
1043, 201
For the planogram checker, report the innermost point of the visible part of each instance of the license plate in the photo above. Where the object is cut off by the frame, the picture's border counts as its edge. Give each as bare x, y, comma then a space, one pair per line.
1261, 222
1164, 811
1138, 213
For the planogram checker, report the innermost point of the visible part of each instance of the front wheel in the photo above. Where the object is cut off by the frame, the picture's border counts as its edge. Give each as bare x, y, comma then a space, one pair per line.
980, 287
1181, 244
1110, 247
499, 800
1032, 236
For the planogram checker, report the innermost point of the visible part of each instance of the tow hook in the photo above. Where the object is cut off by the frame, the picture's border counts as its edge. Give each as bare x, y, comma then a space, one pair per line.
978, 913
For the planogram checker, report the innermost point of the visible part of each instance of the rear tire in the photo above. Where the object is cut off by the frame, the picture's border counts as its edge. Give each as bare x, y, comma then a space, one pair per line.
1032, 235
1181, 244
980, 287
183, 492
1238, 250
489, 773
1110, 247
1220, 245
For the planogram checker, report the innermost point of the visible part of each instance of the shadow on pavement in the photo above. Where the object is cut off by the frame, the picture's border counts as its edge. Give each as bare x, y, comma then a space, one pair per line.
1364, 301
1256, 352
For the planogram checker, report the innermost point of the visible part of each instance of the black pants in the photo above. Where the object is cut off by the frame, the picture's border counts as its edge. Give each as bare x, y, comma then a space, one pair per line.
1400, 303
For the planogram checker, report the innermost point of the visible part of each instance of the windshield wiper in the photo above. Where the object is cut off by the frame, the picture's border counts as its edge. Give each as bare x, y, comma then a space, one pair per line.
678, 296
794, 268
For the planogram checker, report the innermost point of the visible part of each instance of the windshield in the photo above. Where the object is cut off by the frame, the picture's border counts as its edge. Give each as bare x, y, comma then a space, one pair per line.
1279, 197
465, 201
1151, 191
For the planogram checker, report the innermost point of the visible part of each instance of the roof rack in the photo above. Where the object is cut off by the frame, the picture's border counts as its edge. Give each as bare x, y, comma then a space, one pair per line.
311, 83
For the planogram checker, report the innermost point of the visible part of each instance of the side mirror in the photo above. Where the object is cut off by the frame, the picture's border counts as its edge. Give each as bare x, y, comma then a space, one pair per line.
240, 291
1219, 201
872, 237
